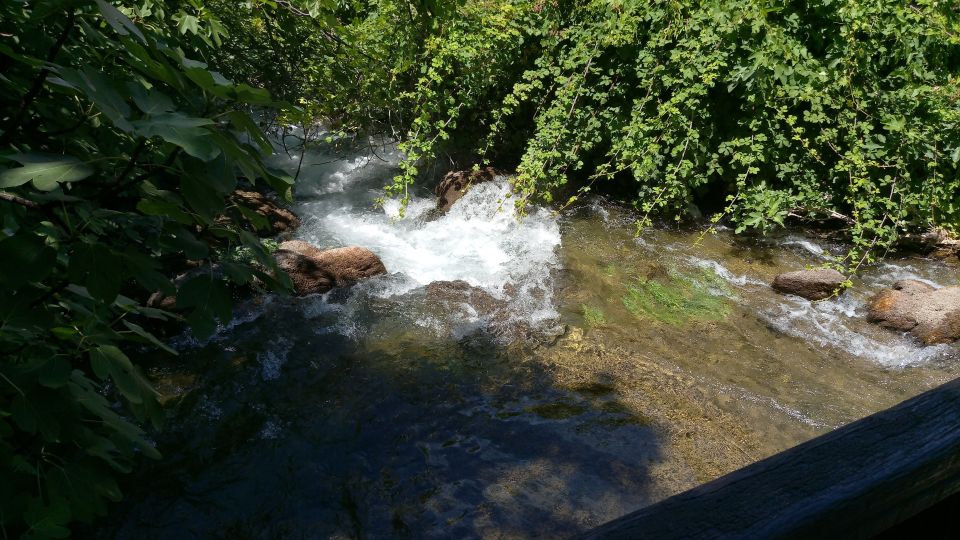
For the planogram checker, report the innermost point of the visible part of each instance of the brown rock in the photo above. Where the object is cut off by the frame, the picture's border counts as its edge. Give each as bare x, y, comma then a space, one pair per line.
313, 270
455, 183
810, 284
281, 220
930, 314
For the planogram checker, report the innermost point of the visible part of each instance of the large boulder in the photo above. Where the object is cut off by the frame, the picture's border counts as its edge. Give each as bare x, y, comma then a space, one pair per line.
281, 221
810, 284
929, 313
313, 270
455, 183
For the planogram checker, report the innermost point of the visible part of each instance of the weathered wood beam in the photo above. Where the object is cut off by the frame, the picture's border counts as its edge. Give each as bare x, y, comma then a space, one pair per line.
853, 482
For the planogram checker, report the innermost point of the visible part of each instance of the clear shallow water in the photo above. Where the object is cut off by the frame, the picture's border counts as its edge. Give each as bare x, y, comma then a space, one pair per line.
589, 373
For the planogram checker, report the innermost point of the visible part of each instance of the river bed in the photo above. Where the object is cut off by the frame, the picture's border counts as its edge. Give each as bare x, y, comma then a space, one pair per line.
508, 378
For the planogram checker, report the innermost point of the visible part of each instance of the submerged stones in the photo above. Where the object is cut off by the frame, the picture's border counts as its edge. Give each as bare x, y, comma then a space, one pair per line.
313, 270
461, 292
810, 284
929, 313
455, 183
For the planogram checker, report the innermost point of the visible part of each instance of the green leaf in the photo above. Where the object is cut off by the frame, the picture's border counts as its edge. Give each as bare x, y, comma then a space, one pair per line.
201, 196
182, 240
45, 170
48, 521
244, 123
181, 130
55, 372
152, 102
119, 22
137, 329
110, 359
23, 414
160, 207
103, 91
238, 273
210, 298
25, 258
98, 268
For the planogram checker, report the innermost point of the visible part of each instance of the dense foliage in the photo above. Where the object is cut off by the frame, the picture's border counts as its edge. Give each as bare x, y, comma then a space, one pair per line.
118, 150
840, 108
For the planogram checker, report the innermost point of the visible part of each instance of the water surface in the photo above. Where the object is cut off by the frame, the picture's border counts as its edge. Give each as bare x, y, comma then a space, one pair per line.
571, 373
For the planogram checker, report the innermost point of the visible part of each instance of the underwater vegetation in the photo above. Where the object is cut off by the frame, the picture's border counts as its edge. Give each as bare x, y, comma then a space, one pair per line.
672, 297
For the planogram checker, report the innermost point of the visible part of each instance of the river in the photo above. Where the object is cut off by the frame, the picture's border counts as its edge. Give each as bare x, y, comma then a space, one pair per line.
508, 378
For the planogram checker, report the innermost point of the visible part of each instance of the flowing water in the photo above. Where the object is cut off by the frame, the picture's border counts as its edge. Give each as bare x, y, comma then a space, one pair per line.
508, 378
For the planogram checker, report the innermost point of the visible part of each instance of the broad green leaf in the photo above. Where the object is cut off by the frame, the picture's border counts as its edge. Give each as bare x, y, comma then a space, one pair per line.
46, 171
184, 131
137, 329
105, 92
129, 382
243, 122
98, 268
209, 298
23, 414
120, 22
153, 101
182, 240
55, 372
48, 521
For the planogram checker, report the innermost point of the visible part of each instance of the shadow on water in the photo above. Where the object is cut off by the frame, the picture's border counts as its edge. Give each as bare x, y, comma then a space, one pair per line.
291, 432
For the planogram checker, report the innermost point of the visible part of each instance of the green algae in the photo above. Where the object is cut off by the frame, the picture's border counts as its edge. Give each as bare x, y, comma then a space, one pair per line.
676, 298
593, 316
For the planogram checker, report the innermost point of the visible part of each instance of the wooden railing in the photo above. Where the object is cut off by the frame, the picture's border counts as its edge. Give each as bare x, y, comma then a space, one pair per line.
854, 482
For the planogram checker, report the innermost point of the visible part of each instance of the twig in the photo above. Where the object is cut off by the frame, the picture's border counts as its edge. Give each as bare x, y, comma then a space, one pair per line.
19, 200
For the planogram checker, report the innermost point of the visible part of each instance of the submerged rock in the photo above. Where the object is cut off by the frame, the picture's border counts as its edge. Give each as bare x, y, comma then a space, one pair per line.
455, 183
461, 292
810, 284
929, 313
280, 220
313, 270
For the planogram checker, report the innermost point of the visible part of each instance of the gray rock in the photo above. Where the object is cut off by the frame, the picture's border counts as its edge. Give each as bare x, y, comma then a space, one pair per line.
929, 313
810, 284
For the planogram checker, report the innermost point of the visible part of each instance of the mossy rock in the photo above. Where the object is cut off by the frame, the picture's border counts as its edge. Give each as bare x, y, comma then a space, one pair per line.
670, 296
